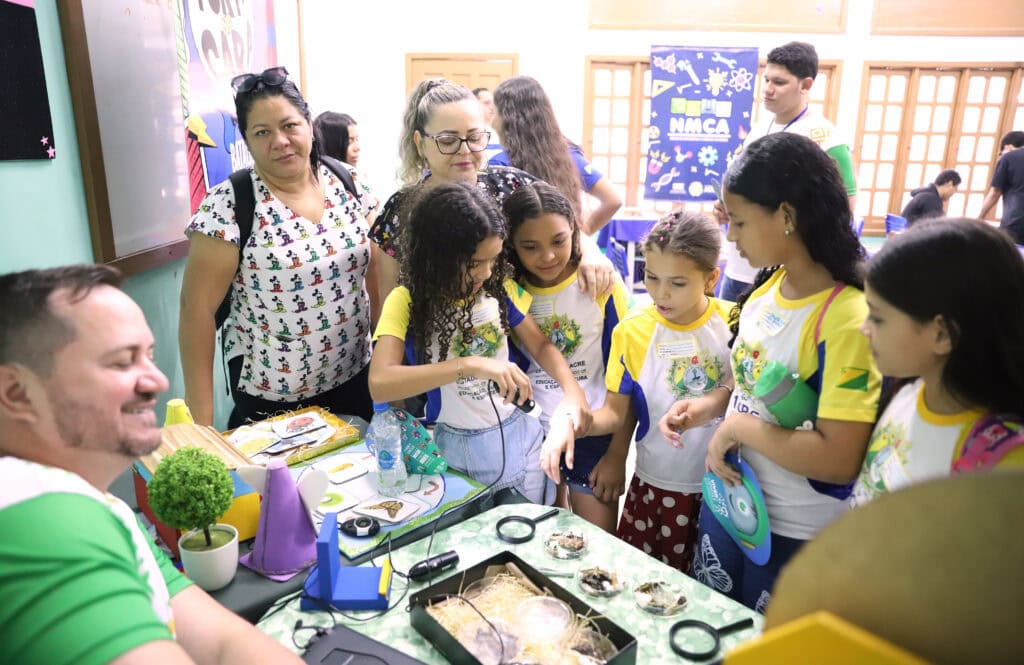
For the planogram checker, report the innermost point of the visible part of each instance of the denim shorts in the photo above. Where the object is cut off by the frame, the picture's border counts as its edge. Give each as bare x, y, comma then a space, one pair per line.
587, 453
477, 453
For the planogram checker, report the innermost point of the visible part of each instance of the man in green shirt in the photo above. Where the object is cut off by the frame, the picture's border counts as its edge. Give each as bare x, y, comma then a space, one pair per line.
81, 581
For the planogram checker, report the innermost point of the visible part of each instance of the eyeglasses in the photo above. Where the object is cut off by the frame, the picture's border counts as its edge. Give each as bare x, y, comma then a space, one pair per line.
274, 76
449, 144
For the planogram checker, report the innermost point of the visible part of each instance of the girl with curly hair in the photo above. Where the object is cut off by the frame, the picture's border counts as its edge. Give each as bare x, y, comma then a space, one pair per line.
449, 321
533, 142
789, 216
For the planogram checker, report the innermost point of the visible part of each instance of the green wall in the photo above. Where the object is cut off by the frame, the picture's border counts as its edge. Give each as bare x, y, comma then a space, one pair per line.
45, 220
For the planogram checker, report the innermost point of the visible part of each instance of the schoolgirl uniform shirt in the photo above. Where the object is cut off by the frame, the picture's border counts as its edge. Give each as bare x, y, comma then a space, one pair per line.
657, 362
463, 404
912, 443
299, 307
581, 329
841, 370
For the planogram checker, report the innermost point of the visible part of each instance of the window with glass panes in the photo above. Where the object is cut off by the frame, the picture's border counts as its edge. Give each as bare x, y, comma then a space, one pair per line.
918, 120
615, 122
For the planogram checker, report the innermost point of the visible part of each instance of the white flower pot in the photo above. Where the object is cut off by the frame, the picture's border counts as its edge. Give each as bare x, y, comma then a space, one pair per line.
211, 569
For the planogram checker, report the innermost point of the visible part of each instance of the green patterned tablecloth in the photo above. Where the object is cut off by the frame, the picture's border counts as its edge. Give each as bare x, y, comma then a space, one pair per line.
475, 540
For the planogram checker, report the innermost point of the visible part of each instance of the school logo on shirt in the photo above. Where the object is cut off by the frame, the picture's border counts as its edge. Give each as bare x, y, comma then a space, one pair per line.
695, 375
885, 460
483, 340
563, 332
748, 360
853, 378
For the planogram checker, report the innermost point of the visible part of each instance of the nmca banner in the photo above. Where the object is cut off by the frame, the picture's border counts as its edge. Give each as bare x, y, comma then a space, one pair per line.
701, 103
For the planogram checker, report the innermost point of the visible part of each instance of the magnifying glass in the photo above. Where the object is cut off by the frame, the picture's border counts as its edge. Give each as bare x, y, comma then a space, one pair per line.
703, 639
516, 529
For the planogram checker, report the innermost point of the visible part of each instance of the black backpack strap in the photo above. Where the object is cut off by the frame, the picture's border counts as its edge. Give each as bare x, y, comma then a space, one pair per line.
245, 209
338, 169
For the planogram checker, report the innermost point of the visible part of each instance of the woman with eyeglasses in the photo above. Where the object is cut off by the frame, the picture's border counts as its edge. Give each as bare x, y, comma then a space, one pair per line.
524, 117
443, 140
298, 332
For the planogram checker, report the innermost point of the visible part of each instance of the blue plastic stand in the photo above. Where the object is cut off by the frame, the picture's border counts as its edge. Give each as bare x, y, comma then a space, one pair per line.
346, 588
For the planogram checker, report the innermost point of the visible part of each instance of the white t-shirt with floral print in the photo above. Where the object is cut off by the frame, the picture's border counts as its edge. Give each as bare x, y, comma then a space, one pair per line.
299, 306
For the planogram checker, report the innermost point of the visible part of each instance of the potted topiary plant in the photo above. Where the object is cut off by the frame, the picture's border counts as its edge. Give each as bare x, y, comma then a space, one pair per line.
189, 490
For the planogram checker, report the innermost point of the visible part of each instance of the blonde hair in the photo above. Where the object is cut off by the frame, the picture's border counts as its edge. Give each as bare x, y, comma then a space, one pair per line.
428, 95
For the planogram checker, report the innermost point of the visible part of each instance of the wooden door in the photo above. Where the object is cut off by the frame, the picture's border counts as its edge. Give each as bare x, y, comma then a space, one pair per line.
471, 70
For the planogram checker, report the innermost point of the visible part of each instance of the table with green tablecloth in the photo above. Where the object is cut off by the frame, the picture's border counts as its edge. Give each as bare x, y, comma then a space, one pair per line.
474, 540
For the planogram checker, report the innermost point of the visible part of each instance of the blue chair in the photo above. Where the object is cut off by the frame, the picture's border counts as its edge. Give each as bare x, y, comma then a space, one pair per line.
895, 224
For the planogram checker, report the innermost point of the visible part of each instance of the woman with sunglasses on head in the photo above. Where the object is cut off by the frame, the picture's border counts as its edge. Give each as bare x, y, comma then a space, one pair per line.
443, 140
298, 332
524, 117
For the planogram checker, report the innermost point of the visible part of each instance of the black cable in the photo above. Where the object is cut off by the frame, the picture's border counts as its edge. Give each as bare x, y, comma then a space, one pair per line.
489, 488
329, 607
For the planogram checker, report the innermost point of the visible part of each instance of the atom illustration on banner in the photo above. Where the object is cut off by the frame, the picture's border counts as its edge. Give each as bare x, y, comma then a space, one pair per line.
741, 79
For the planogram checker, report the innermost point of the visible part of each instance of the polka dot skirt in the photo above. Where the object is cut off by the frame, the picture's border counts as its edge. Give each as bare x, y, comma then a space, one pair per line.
661, 523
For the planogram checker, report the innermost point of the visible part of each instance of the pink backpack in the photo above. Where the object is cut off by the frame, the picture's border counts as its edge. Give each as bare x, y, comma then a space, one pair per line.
991, 439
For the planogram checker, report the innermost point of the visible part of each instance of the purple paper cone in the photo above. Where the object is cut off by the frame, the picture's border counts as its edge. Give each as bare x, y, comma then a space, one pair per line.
285, 539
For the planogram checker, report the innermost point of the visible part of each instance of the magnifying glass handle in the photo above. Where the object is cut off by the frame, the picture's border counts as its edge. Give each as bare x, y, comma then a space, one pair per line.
550, 513
743, 624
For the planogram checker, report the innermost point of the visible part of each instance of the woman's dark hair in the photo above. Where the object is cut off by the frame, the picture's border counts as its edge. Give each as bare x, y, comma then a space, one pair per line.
245, 100
532, 201
971, 275
332, 131
446, 224
532, 138
786, 168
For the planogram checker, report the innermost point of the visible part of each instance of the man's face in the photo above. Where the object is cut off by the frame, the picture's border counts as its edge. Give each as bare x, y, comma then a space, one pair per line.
784, 94
946, 190
103, 387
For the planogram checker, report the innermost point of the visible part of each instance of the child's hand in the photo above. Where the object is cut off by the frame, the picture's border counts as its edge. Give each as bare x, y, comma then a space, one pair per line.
577, 410
595, 275
688, 413
507, 375
559, 439
722, 442
608, 479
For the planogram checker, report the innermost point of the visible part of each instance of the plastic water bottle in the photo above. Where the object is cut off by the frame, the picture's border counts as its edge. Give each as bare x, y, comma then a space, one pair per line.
384, 439
793, 403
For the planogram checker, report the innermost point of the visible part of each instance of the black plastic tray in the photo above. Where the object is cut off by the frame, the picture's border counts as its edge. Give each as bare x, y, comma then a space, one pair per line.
457, 654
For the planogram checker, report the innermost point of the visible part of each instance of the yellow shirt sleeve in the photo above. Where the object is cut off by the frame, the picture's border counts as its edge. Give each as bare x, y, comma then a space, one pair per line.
520, 298
394, 316
850, 383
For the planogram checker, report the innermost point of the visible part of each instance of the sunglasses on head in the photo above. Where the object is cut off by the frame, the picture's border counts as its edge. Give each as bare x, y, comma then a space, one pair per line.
274, 76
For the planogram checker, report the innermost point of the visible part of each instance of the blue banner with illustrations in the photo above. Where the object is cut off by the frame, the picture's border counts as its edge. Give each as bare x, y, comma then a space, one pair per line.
701, 103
